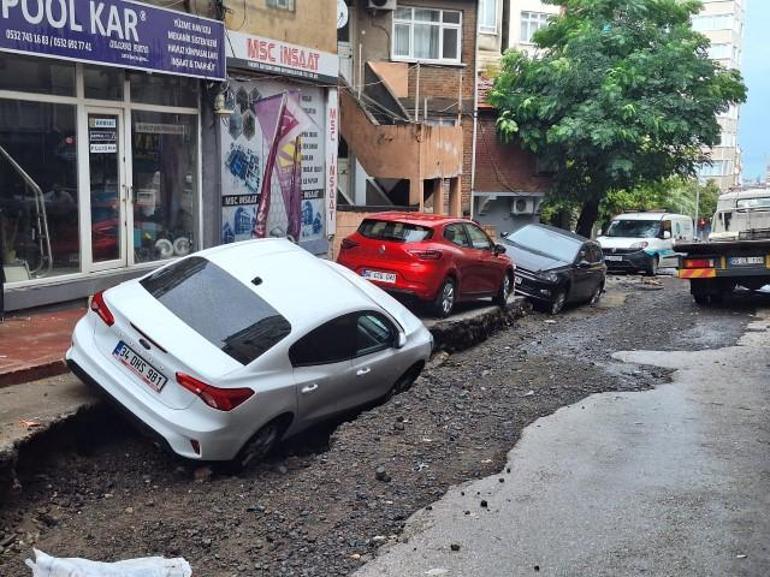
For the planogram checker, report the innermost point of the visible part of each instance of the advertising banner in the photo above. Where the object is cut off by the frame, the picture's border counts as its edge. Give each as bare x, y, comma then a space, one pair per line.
273, 162
272, 56
115, 33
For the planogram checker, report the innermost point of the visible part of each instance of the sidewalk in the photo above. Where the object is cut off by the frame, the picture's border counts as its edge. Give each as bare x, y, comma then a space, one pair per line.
32, 344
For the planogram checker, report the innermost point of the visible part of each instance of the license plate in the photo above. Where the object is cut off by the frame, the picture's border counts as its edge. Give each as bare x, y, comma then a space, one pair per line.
388, 277
746, 260
518, 280
139, 366
613, 258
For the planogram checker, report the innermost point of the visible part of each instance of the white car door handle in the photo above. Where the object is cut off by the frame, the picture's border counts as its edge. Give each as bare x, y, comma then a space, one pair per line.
362, 372
309, 388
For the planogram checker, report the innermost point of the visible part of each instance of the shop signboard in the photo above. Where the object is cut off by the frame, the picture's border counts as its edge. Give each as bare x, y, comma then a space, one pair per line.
115, 33
271, 56
273, 162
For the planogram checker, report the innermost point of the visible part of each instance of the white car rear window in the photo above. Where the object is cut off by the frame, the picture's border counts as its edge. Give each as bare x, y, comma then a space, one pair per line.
219, 307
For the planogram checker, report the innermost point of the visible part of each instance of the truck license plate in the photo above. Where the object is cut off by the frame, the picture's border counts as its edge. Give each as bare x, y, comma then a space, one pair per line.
746, 260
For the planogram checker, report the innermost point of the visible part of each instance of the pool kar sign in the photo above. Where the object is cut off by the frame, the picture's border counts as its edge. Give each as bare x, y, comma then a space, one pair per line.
115, 33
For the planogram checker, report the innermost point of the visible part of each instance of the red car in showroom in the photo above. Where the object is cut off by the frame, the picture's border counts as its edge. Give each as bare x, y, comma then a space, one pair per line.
438, 259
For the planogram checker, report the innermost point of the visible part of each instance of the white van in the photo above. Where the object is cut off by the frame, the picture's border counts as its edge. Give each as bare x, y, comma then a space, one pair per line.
644, 241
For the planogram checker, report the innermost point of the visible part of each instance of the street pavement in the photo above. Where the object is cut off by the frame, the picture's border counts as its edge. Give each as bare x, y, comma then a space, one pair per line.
673, 481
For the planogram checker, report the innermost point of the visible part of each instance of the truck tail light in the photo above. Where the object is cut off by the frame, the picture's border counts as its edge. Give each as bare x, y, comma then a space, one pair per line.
100, 308
215, 397
426, 254
698, 263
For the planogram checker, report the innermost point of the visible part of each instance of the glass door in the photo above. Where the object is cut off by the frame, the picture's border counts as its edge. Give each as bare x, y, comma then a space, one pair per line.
108, 190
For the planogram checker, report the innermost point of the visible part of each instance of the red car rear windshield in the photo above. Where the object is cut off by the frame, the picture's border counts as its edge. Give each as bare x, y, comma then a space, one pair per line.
394, 231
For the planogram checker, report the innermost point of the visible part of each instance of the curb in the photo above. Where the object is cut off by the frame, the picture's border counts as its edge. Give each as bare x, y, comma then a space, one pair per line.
33, 373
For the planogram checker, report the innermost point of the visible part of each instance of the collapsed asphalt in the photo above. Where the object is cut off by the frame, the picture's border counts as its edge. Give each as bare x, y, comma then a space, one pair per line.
321, 506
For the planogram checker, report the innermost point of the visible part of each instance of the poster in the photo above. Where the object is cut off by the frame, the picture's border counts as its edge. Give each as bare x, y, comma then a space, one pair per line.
273, 162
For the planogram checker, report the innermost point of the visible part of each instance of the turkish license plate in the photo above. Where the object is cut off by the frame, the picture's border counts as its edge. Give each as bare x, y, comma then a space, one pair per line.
139, 366
388, 277
613, 258
518, 280
746, 260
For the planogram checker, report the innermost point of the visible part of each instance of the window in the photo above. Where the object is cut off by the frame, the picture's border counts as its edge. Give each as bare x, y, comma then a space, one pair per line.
165, 160
163, 89
710, 22
332, 342
41, 138
716, 168
103, 83
488, 16
479, 238
39, 75
425, 34
455, 233
531, 22
281, 4
219, 307
720, 51
393, 231
373, 334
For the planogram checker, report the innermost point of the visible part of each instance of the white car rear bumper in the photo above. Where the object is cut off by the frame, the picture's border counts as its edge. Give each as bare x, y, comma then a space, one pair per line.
177, 427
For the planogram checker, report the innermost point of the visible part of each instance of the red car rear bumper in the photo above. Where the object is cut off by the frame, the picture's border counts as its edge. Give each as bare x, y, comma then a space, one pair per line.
414, 279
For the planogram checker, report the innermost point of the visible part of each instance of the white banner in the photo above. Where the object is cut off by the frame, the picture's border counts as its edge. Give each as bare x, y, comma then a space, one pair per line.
332, 138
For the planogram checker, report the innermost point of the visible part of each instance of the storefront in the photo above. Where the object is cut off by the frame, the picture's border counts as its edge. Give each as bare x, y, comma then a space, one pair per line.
100, 142
278, 142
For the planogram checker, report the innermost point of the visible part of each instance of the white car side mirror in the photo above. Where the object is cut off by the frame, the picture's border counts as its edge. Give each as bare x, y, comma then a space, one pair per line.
401, 340
666, 234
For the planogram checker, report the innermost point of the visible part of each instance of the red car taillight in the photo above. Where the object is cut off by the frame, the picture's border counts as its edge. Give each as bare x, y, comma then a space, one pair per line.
100, 308
214, 397
426, 254
347, 244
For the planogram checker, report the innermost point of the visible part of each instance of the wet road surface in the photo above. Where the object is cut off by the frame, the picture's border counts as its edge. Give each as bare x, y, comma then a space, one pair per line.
672, 481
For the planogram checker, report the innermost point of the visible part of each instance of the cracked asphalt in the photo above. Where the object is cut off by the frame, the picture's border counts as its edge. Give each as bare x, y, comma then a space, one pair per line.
103, 492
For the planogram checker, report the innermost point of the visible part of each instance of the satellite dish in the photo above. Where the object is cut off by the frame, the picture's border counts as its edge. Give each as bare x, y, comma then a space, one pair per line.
342, 14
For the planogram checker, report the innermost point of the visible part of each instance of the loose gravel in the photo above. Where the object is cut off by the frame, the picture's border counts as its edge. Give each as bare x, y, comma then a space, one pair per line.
328, 500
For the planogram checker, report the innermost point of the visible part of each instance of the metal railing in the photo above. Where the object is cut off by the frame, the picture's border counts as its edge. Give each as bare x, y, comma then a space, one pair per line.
41, 218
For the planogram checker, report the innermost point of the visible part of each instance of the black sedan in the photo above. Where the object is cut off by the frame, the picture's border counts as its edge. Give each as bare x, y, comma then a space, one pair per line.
555, 267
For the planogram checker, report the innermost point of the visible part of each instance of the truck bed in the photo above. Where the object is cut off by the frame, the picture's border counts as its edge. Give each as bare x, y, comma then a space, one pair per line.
720, 248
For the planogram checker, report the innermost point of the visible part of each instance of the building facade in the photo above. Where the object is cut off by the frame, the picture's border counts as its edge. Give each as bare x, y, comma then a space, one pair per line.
135, 133
407, 104
507, 186
722, 22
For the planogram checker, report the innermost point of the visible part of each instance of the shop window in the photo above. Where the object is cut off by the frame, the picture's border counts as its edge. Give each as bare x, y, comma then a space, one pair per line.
165, 182
38, 190
164, 90
103, 83
39, 75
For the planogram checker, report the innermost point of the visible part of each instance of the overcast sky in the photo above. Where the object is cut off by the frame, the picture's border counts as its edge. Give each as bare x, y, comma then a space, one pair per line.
754, 130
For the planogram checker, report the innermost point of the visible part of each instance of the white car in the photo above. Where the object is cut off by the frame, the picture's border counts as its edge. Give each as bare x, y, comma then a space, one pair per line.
644, 241
225, 352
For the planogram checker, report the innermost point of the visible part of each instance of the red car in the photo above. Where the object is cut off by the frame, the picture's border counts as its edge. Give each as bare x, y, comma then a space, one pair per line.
438, 259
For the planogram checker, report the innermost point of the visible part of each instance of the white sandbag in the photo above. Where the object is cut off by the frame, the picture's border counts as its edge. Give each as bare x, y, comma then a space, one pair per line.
47, 566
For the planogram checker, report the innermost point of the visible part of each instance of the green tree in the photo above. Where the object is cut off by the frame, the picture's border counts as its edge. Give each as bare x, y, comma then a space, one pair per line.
622, 93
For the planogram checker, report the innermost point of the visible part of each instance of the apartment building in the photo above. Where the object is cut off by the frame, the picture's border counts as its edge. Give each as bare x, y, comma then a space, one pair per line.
722, 22
507, 186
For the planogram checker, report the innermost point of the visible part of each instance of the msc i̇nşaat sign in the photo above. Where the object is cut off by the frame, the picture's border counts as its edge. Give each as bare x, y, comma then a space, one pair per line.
249, 52
115, 33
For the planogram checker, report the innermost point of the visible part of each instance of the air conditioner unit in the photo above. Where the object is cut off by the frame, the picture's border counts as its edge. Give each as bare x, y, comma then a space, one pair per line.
382, 4
520, 205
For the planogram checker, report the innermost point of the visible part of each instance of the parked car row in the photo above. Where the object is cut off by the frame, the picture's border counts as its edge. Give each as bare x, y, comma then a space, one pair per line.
224, 352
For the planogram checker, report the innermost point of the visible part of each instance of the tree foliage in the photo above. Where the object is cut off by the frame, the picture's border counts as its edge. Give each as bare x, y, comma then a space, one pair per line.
621, 94
671, 195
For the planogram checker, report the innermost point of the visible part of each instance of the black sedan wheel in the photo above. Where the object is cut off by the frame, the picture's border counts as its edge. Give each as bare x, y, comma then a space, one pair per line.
506, 287
558, 302
596, 295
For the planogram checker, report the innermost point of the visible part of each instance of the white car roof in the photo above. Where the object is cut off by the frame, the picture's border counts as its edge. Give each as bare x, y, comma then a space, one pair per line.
648, 216
741, 194
300, 286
